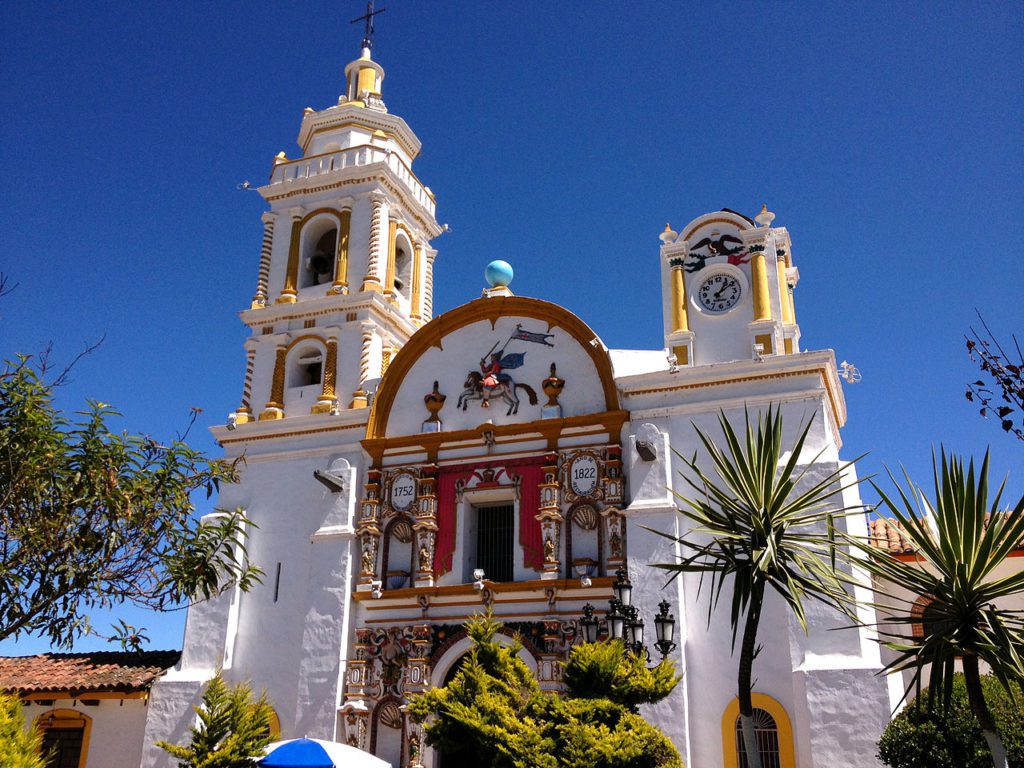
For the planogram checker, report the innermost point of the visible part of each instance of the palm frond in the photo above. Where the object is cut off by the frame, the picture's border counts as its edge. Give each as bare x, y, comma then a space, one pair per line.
959, 540
756, 520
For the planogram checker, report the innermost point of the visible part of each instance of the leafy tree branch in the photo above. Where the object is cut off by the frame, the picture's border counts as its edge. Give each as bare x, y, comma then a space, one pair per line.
92, 518
1002, 395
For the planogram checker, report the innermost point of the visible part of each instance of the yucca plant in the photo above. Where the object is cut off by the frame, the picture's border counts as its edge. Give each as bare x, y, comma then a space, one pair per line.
959, 541
759, 524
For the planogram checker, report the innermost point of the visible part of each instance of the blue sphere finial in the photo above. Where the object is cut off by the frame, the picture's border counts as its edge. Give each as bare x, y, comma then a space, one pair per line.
499, 273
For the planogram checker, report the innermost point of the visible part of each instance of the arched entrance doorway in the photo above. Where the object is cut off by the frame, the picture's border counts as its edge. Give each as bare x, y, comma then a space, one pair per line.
450, 758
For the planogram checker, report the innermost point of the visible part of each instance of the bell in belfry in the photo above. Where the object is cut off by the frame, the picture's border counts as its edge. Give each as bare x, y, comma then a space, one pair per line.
320, 263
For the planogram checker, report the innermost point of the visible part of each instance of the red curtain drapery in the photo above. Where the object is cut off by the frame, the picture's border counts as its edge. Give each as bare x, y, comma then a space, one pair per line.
444, 545
531, 472
530, 536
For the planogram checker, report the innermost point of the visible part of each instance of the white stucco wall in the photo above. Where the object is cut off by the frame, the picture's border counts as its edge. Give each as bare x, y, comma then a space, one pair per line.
292, 643
116, 733
170, 715
293, 646
819, 676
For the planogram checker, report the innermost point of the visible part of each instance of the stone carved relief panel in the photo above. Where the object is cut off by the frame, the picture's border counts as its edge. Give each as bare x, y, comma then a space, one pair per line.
593, 490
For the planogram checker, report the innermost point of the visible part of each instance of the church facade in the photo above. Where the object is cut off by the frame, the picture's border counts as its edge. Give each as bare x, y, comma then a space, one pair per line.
405, 471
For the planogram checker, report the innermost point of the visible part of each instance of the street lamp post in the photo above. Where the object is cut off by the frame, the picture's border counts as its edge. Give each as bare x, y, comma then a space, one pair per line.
665, 629
616, 619
623, 622
623, 587
590, 623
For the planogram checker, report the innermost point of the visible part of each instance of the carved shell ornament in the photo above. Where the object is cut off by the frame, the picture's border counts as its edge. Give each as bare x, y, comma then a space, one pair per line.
493, 381
585, 516
390, 715
402, 531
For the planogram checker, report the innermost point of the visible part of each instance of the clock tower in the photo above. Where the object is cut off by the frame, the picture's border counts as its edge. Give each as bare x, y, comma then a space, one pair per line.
727, 288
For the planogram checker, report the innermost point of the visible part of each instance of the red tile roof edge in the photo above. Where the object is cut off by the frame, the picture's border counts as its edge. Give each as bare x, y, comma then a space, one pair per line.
888, 536
85, 672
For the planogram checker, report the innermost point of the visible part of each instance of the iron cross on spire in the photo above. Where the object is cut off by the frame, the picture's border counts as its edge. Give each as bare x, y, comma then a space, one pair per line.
368, 18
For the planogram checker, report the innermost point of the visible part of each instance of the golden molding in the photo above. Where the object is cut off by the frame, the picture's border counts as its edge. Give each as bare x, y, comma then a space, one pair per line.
498, 587
821, 372
403, 194
352, 122
295, 433
432, 443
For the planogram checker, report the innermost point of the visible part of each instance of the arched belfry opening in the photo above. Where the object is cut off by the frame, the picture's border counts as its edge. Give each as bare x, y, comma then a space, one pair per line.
403, 267
307, 367
319, 249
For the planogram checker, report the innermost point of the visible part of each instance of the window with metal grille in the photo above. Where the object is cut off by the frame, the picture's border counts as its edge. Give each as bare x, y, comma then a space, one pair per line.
767, 733
64, 746
494, 527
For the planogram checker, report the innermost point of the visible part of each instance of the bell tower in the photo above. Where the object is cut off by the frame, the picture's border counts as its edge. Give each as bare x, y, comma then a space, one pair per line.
346, 267
727, 289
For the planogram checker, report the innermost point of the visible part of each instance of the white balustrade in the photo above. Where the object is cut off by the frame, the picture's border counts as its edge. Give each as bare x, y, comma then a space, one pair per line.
318, 165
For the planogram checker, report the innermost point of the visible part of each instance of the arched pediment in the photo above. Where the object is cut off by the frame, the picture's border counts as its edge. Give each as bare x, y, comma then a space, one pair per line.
528, 334
713, 225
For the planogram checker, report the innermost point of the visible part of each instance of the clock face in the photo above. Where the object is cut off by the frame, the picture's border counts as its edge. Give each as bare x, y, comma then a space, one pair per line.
719, 293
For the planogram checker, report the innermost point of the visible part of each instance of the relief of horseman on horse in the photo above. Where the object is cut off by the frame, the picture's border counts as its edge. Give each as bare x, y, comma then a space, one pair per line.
493, 381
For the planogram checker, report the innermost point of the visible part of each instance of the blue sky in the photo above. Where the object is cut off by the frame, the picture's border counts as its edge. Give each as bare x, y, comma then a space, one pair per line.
559, 136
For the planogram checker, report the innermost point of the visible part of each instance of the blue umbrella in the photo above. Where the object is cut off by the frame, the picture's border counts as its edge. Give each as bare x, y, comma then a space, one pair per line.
315, 753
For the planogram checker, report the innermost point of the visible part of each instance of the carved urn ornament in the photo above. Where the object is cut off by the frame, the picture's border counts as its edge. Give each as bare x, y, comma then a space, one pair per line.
552, 387
434, 401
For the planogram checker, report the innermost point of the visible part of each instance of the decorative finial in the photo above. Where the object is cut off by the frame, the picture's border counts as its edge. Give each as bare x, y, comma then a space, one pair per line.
499, 273
765, 217
368, 29
668, 235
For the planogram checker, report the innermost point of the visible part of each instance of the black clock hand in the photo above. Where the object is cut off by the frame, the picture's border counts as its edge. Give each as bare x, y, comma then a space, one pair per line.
719, 292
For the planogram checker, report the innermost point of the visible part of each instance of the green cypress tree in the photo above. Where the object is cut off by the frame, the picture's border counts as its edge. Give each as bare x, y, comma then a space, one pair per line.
19, 748
233, 729
608, 671
494, 714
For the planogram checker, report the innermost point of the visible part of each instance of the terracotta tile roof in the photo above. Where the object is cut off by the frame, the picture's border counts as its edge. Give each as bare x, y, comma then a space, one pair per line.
77, 673
887, 537
892, 540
